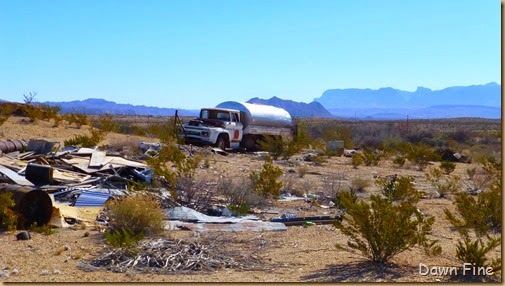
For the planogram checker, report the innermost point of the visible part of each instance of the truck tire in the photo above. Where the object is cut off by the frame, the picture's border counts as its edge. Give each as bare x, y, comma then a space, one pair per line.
249, 143
221, 142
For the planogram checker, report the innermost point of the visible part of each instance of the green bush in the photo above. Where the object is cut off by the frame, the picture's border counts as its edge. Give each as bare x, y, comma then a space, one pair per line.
45, 229
140, 213
399, 161
107, 123
381, 229
359, 184
78, 119
475, 252
266, 181
421, 154
398, 189
341, 195
481, 216
278, 146
370, 158
124, 238
447, 167
8, 216
443, 184
95, 137
356, 160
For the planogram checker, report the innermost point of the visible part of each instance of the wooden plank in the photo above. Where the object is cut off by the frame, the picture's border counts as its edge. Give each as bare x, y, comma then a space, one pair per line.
15, 177
97, 159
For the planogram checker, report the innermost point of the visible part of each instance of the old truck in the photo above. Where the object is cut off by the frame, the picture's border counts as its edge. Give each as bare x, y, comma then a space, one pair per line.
236, 125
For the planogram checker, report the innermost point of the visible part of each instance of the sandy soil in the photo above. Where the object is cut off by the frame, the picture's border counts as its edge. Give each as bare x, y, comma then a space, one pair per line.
301, 254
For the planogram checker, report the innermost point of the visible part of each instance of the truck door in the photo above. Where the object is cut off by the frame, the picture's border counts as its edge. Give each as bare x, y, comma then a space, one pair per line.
236, 126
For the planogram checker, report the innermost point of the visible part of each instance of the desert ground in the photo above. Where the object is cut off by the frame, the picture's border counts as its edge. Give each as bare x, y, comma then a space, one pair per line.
300, 254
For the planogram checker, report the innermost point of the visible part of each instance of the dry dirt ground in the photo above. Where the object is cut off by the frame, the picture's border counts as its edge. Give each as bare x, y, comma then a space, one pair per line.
300, 254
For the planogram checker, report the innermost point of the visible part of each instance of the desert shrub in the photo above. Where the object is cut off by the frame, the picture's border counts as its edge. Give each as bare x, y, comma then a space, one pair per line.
44, 229
420, 154
481, 214
124, 238
471, 173
107, 123
339, 197
197, 194
482, 217
371, 158
165, 131
399, 161
140, 213
398, 188
295, 187
301, 137
8, 216
447, 167
443, 184
278, 146
79, 119
302, 171
359, 184
356, 160
239, 197
381, 229
95, 137
265, 182
475, 252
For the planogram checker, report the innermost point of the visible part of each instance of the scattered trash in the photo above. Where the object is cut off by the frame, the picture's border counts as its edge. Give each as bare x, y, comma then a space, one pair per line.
302, 220
219, 151
349, 152
4, 274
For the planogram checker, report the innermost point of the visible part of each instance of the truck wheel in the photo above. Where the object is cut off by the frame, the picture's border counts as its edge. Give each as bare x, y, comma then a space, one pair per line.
249, 143
221, 142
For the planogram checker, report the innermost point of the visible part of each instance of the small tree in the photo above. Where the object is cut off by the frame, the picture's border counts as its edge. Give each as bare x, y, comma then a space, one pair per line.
481, 216
266, 181
398, 189
381, 229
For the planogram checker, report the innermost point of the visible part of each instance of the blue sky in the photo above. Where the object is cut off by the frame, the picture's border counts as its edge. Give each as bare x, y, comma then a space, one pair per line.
194, 53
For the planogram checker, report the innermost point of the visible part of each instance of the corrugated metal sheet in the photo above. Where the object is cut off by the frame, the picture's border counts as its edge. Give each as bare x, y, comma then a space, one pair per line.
91, 199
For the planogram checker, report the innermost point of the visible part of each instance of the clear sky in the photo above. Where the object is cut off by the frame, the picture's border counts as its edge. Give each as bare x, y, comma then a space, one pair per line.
195, 53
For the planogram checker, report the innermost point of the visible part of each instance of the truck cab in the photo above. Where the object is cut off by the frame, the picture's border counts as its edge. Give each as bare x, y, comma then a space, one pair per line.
219, 127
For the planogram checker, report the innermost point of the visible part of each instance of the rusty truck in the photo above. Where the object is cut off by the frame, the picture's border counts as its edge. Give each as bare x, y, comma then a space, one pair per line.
236, 125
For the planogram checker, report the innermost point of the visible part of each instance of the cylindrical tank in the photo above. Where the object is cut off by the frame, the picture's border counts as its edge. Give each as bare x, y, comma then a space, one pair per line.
8, 146
34, 205
258, 114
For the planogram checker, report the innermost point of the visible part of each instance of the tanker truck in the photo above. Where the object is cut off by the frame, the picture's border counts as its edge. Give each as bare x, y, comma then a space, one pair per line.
236, 125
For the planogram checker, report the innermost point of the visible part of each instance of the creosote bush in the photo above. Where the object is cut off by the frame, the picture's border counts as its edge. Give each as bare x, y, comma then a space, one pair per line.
447, 167
398, 189
444, 184
95, 137
278, 146
139, 213
381, 229
265, 182
482, 217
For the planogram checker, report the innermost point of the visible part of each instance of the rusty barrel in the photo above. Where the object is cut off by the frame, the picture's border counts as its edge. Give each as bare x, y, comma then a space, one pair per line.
7, 146
32, 204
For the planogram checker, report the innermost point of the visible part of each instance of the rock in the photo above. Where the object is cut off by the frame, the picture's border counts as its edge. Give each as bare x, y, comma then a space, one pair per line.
15, 271
226, 212
4, 274
44, 272
24, 235
56, 271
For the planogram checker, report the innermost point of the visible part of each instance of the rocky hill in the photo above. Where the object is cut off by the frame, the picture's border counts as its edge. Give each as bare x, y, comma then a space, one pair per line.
296, 109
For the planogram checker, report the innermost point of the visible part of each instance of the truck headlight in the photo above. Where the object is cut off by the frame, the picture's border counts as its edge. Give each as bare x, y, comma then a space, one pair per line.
205, 133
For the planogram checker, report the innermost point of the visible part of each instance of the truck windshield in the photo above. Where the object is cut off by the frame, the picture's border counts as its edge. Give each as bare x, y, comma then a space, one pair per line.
215, 114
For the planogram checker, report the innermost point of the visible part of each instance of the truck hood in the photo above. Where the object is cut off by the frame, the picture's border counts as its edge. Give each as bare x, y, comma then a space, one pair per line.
205, 122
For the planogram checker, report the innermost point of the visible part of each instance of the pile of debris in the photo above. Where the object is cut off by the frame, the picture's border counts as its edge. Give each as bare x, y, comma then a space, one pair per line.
39, 174
171, 256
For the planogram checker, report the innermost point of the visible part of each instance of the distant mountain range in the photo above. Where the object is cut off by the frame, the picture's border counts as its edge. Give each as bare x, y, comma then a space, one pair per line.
295, 109
385, 103
101, 106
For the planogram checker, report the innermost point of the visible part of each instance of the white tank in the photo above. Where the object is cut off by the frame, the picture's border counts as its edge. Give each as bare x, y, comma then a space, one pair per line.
258, 114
